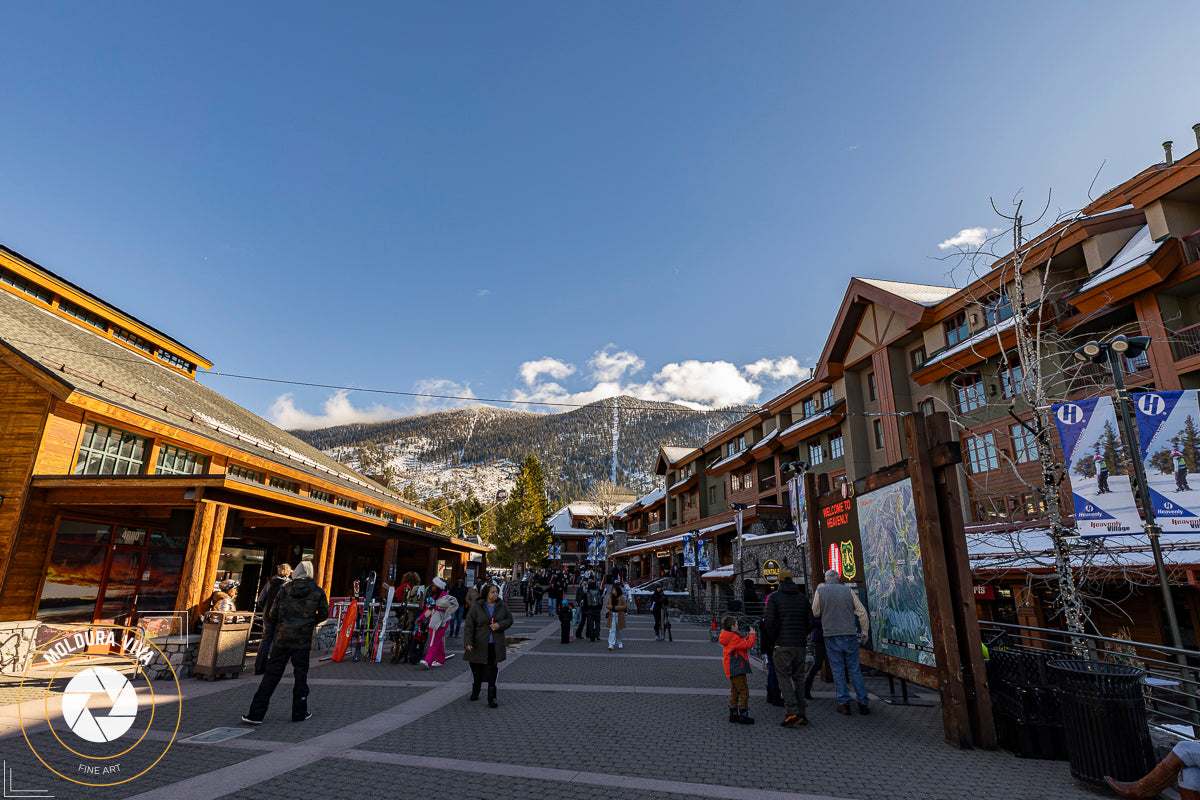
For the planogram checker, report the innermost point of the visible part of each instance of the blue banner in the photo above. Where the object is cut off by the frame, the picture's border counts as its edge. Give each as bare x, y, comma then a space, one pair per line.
702, 560
1098, 468
689, 551
1169, 440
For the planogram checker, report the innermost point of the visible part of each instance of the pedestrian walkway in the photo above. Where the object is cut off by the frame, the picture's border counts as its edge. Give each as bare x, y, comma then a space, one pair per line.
575, 721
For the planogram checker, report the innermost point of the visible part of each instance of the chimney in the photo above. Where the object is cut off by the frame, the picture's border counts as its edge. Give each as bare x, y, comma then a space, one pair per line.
1167, 150
1196, 130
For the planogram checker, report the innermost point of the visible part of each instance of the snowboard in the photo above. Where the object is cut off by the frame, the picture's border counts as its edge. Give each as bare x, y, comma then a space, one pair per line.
346, 631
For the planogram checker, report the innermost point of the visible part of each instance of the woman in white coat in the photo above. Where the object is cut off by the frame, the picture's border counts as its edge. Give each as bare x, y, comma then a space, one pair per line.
440, 614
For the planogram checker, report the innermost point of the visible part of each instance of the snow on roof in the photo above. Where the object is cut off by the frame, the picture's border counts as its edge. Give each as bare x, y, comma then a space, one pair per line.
674, 454
766, 439
972, 341
720, 573
657, 543
807, 421
645, 501
916, 292
1135, 253
722, 462
1031, 548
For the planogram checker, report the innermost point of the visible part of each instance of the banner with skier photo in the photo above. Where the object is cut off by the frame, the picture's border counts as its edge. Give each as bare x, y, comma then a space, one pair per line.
1098, 467
702, 560
689, 551
1169, 438
799, 512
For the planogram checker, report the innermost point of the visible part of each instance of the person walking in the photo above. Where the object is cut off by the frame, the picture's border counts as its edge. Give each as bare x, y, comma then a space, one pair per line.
767, 648
839, 610
266, 598
299, 606
594, 600
581, 606
442, 608
658, 602
538, 591
1179, 464
459, 593
735, 657
484, 641
616, 605
788, 618
1101, 474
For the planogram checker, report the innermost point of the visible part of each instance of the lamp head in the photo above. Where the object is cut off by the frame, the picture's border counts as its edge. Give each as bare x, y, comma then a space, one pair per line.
738, 506
1092, 351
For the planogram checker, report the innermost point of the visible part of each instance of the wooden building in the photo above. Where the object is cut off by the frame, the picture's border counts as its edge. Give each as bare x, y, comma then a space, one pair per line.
127, 487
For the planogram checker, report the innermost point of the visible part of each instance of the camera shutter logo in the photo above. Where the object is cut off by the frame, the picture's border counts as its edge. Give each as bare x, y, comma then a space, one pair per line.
92, 724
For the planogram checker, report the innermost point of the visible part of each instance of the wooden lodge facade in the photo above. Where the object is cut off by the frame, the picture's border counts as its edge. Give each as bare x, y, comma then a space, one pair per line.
1129, 263
128, 488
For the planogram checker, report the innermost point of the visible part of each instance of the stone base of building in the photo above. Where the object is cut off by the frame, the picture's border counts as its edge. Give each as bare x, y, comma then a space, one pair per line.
17, 643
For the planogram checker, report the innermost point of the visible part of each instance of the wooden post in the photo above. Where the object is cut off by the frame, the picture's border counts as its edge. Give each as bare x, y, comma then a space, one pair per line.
389, 575
319, 553
431, 565
962, 592
220, 514
956, 720
196, 561
327, 568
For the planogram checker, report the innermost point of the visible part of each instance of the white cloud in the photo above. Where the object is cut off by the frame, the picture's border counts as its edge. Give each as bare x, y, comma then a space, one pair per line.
556, 369
608, 366
482, 292
967, 237
441, 394
778, 369
711, 383
337, 410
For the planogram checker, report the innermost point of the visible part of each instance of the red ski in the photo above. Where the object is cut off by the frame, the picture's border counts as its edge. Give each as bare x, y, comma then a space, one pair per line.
346, 631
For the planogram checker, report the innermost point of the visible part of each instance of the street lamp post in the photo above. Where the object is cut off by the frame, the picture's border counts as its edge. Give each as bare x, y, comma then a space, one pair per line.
737, 509
800, 468
1112, 352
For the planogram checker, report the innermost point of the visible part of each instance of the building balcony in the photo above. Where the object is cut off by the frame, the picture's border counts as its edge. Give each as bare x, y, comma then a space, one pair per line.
1185, 342
767, 484
1191, 247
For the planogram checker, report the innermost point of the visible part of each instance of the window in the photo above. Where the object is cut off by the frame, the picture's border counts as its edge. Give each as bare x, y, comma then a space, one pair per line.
735, 483
407, 521
815, 454
109, 451
82, 314
956, 328
747, 481
1012, 377
981, 453
837, 448
1024, 443
372, 511
741, 442
968, 393
878, 426
827, 398
324, 497
174, 460
997, 308
810, 407
132, 339
238, 471
287, 486
712, 495
346, 503
32, 289
926, 406
917, 358
176, 361
872, 392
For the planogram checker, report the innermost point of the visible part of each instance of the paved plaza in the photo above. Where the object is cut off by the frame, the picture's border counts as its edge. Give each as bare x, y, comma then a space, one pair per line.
575, 721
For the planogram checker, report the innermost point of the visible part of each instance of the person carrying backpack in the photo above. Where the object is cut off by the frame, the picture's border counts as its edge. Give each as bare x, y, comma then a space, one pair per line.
594, 600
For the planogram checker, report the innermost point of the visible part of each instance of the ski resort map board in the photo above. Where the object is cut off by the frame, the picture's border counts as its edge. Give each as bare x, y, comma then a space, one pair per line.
898, 608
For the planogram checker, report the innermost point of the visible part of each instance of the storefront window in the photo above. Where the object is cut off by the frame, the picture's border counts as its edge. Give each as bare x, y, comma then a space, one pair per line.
109, 451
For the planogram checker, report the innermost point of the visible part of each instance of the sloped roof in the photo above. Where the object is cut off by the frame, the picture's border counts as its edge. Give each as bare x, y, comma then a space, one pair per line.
93, 366
1137, 251
674, 454
916, 292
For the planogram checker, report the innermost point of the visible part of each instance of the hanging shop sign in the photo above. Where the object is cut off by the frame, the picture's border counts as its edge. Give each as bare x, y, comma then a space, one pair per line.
840, 540
1098, 467
770, 571
1168, 426
984, 591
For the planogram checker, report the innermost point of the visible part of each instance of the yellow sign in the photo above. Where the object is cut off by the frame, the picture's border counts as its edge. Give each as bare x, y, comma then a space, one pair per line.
849, 570
771, 571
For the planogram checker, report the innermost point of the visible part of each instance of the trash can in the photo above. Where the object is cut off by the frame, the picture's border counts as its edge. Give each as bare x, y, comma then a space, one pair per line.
223, 644
1104, 720
1025, 704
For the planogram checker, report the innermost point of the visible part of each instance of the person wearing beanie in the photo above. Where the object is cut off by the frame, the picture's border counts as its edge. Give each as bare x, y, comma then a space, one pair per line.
298, 607
266, 599
788, 620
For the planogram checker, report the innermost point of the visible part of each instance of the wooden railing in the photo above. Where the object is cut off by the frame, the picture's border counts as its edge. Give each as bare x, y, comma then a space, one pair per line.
1185, 342
1191, 247
767, 484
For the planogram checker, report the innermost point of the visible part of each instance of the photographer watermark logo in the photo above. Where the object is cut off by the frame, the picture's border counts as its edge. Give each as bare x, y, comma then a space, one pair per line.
103, 723
83, 721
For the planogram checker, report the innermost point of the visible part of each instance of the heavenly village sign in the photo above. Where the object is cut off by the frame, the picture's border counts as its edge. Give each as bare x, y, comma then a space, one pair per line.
896, 537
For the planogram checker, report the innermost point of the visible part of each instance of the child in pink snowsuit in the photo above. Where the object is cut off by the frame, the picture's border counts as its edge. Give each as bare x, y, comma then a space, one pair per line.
439, 615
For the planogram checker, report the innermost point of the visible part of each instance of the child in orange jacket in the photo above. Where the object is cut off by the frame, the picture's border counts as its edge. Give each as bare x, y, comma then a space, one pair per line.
736, 659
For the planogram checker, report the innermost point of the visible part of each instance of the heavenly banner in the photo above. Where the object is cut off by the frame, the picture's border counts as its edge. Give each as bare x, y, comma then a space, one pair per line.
689, 551
1170, 443
1098, 467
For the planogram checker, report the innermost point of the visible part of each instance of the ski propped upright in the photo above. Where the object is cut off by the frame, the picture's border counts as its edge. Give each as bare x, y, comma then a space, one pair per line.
381, 633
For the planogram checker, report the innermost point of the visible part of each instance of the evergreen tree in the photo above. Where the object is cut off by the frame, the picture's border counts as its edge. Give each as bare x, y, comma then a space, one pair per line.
522, 534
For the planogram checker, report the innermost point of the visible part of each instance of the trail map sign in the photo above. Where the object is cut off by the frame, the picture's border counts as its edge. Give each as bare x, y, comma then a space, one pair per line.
895, 577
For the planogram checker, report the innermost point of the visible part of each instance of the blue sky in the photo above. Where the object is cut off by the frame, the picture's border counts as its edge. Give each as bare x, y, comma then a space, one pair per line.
550, 201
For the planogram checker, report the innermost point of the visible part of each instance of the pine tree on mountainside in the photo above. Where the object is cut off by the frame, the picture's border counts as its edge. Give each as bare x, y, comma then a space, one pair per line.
522, 535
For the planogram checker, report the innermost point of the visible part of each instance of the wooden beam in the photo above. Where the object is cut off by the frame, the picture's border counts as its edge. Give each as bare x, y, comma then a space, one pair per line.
956, 720
220, 515
189, 595
327, 569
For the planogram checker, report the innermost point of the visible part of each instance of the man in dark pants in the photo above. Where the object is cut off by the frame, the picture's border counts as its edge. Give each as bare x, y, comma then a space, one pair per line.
299, 606
788, 618
266, 599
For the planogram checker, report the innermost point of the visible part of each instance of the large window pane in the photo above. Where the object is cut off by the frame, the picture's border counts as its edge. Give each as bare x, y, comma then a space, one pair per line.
164, 568
72, 583
123, 575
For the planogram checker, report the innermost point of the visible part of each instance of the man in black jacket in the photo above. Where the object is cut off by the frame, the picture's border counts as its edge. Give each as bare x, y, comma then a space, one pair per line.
266, 599
300, 605
788, 617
